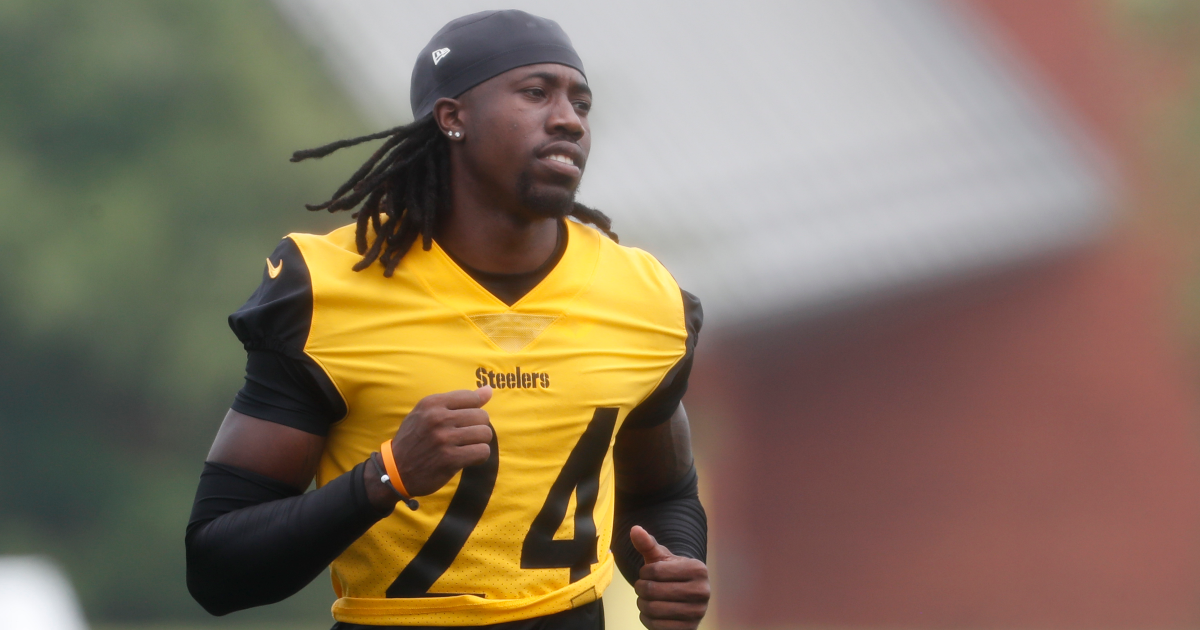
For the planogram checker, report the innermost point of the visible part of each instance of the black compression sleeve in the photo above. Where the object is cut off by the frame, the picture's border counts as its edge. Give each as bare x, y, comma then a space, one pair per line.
253, 540
673, 516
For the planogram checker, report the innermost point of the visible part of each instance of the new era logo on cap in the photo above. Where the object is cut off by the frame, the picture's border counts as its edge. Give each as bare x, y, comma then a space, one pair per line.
439, 53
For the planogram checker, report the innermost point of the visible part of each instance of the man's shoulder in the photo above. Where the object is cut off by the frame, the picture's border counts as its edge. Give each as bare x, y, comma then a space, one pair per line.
319, 249
332, 261
632, 265
302, 268
635, 281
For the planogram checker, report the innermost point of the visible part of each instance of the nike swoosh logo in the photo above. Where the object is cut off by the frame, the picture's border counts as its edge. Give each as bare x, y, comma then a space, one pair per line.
273, 270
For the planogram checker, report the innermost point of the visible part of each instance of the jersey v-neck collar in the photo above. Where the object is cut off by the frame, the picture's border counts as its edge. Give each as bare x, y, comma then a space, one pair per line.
454, 286
511, 287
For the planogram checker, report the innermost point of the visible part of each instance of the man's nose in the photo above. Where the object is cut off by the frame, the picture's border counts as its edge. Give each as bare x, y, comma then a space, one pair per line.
565, 120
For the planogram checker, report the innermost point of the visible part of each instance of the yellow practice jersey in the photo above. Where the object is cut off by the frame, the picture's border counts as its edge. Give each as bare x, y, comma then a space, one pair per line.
527, 533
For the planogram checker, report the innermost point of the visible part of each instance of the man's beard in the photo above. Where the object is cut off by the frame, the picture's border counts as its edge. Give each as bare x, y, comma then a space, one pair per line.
551, 202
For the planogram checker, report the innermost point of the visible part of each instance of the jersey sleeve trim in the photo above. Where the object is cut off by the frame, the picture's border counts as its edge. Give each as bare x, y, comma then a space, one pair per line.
658, 407
287, 391
283, 383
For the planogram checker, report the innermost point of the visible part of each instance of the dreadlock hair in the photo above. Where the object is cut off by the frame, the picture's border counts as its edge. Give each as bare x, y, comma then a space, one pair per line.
408, 180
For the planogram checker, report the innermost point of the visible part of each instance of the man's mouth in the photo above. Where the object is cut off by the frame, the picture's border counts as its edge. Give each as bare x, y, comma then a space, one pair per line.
563, 157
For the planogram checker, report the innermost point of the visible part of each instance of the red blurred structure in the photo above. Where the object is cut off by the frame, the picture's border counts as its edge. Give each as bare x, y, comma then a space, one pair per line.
1015, 451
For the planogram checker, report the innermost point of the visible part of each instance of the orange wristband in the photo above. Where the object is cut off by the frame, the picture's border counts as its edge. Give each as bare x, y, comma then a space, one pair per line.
389, 462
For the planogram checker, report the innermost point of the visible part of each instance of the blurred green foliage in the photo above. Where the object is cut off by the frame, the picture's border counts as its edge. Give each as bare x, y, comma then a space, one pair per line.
144, 179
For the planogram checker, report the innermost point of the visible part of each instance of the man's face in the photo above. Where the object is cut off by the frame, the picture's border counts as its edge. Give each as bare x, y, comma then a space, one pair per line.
527, 135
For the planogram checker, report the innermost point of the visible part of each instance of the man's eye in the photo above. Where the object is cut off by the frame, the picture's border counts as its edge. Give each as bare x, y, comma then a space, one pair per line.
536, 92
583, 106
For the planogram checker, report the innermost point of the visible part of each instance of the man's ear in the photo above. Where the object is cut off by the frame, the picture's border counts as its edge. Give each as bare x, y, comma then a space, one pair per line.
448, 113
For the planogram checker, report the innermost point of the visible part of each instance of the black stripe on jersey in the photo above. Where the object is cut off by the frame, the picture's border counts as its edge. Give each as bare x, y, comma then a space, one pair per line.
283, 384
462, 515
662, 402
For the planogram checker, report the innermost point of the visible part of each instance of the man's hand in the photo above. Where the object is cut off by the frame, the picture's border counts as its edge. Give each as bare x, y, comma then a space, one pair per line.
672, 590
443, 434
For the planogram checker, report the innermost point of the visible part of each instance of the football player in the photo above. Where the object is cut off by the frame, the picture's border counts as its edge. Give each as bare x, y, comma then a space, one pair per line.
484, 384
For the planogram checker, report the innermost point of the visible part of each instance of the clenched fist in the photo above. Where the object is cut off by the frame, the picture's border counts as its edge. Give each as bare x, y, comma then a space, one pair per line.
672, 590
443, 434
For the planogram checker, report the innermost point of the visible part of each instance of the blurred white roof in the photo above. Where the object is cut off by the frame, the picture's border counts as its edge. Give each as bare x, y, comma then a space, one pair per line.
780, 156
35, 594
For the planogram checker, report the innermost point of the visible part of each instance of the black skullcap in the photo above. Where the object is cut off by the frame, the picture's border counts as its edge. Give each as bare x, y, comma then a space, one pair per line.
477, 47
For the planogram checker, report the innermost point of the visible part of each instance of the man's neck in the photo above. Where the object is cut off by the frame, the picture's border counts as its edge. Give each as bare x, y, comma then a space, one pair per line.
494, 240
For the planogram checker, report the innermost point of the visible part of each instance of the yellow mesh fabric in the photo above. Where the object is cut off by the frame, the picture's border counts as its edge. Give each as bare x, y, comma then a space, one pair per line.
600, 331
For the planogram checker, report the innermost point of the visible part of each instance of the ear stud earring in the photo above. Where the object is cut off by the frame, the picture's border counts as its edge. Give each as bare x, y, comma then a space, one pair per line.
454, 134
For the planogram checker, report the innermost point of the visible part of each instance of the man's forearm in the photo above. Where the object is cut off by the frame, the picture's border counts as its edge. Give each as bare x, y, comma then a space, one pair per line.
674, 516
253, 540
